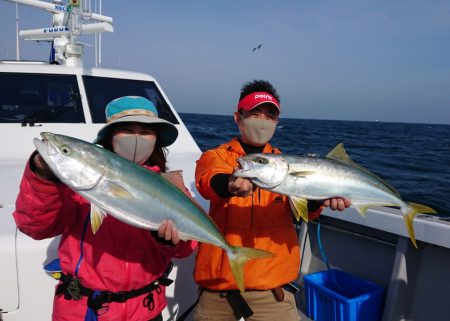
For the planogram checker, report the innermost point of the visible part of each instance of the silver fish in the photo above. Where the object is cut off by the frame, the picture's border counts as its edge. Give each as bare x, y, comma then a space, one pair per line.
317, 178
135, 195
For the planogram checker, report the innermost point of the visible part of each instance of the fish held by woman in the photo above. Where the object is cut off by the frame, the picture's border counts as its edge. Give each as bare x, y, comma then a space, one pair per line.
304, 178
129, 192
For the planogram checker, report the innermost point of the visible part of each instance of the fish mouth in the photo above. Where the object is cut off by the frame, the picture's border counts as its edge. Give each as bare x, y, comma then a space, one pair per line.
44, 145
244, 167
49, 137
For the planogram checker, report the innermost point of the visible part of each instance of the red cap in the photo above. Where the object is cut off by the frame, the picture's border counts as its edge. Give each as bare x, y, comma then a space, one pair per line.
257, 98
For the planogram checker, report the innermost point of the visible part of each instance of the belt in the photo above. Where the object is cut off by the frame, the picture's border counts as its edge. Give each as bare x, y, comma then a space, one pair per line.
277, 292
72, 288
237, 303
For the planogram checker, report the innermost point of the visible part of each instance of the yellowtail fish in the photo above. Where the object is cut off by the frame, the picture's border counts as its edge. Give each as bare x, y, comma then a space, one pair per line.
318, 178
118, 187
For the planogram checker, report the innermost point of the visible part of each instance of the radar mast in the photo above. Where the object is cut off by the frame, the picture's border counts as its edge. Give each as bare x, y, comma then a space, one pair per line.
69, 23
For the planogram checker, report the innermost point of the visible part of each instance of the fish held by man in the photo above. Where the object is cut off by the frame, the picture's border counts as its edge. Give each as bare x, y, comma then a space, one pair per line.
318, 178
118, 187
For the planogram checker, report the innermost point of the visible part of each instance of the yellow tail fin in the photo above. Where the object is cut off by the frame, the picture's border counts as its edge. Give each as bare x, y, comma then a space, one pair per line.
239, 257
415, 208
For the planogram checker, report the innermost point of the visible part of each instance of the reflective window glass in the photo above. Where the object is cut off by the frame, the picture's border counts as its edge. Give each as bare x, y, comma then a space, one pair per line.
39, 98
101, 90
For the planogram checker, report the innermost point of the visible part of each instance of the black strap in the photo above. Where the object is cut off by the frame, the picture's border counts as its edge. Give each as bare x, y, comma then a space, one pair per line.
72, 288
234, 298
238, 304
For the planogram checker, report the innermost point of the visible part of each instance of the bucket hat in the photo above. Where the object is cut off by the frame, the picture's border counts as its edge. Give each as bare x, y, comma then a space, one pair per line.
140, 110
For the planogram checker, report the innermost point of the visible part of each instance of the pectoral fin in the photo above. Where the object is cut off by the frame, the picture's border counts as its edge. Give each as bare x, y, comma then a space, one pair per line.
97, 217
301, 173
116, 190
299, 207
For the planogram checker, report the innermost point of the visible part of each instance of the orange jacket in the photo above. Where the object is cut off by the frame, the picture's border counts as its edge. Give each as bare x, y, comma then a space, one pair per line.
262, 221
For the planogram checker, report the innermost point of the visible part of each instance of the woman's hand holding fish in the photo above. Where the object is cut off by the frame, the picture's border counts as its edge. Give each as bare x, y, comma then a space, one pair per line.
168, 231
339, 204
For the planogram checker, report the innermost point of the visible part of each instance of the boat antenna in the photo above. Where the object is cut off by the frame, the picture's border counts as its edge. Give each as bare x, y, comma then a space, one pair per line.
69, 23
98, 37
17, 33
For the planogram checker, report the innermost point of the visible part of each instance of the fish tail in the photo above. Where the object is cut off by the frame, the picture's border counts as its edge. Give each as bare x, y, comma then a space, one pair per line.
238, 257
415, 208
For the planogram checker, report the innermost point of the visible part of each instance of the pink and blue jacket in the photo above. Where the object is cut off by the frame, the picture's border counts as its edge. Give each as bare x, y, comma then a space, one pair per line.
119, 257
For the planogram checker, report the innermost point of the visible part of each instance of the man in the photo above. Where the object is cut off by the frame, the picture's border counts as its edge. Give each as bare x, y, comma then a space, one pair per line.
251, 217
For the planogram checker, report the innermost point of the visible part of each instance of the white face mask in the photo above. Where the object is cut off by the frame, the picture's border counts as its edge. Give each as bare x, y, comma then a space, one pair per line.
134, 147
257, 130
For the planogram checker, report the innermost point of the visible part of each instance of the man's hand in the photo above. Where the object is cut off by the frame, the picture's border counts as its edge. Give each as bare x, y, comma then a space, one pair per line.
168, 231
339, 204
239, 186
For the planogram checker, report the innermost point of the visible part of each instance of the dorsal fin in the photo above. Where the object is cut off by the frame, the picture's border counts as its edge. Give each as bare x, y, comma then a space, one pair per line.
339, 154
176, 179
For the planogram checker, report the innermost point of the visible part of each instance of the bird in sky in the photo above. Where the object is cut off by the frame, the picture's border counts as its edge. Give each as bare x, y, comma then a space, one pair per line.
257, 47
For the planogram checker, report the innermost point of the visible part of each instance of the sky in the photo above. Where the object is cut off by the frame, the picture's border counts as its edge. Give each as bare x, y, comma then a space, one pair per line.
386, 60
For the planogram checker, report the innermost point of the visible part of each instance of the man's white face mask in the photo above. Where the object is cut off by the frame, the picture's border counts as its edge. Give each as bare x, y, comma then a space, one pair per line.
258, 131
134, 147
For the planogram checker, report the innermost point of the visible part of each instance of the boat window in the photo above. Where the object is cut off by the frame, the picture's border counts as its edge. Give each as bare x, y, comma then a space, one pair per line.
100, 91
39, 98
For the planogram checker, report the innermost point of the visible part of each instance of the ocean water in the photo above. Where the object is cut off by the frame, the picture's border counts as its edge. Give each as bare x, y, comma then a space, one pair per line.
414, 158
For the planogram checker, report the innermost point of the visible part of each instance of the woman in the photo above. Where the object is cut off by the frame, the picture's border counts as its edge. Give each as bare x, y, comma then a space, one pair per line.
119, 273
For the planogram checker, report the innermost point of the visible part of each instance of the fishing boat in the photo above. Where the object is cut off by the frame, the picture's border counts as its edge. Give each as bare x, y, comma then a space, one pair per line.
63, 96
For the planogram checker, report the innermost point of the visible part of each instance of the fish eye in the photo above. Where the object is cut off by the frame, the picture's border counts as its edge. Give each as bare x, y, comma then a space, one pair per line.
261, 160
65, 150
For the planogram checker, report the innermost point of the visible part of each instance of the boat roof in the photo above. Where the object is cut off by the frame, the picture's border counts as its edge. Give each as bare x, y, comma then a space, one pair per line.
43, 67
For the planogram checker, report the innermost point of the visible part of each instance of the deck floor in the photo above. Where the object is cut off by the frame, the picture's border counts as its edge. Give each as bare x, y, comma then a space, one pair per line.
303, 317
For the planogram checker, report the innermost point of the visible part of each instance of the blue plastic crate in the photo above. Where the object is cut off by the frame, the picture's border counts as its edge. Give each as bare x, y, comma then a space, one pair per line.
334, 295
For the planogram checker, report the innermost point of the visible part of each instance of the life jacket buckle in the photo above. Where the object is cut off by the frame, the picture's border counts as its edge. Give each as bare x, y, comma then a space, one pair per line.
95, 302
73, 288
